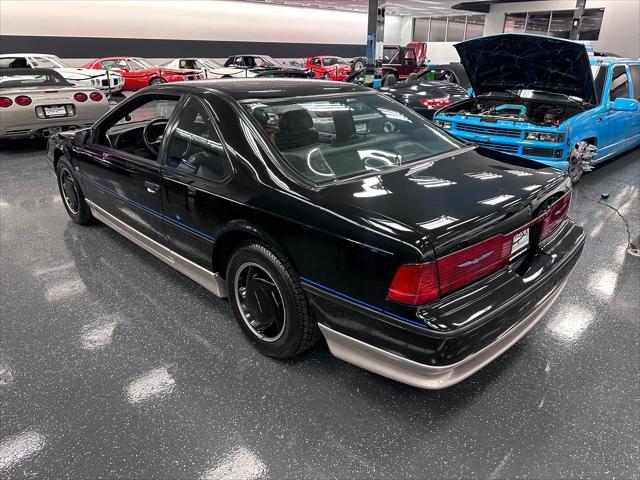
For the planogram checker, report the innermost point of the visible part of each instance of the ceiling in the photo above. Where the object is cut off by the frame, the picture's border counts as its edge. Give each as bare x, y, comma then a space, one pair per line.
413, 8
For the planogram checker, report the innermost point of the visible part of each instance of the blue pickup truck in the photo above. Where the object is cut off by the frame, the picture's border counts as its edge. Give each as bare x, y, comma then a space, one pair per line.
547, 100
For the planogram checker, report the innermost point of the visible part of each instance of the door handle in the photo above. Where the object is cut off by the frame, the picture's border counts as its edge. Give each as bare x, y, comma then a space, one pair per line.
151, 187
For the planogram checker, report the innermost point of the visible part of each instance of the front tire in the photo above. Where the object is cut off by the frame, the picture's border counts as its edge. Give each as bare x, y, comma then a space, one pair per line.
72, 197
268, 301
157, 81
576, 156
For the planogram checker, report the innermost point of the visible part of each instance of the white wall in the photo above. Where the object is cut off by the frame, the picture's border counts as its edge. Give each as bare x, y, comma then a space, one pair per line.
397, 30
620, 32
180, 19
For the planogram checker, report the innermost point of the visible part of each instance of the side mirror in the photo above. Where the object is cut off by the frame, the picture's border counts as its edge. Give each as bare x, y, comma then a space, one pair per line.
625, 105
81, 137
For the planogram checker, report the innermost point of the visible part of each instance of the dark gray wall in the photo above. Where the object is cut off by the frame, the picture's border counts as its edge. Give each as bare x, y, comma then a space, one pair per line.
90, 47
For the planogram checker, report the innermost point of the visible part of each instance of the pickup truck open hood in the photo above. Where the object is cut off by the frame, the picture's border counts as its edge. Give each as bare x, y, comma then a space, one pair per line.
527, 62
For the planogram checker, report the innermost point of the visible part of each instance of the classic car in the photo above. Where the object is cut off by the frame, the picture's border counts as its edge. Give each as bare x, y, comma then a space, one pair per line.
329, 67
326, 208
139, 73
544, 99
426, 96
107, 82
259, 63
210, 68
39, 101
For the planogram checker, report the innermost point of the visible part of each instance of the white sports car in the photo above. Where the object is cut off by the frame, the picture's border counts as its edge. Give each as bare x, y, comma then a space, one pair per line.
36, 102
107, 82
210, 68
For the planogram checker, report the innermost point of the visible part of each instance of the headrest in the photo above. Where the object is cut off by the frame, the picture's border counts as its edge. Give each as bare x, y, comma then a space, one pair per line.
343, 123
296, 120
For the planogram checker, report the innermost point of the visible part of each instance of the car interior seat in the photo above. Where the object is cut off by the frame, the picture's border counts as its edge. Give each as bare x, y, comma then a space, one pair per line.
19, 62
296, 130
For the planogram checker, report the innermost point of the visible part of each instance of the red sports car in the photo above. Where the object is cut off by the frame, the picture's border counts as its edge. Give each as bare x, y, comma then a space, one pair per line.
329, 67
138, 72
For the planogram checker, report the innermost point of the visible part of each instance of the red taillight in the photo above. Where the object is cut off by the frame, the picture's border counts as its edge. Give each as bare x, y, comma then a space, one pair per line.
5, 102
554, 215
95, 96
23, 100
435, 102
80, 97
415, 284
469, 264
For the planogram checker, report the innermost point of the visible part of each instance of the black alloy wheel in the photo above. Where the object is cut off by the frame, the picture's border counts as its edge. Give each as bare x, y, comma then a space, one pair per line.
71, 193
268, 301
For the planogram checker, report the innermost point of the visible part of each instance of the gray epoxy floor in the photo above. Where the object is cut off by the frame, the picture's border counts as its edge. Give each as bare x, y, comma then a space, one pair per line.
112, 365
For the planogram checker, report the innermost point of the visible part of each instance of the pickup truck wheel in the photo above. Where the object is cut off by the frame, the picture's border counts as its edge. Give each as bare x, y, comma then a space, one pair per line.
389, 80
71, 193
575, 161
268, 301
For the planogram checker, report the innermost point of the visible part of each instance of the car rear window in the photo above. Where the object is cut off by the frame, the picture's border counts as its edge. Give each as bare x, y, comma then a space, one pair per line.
10, 79
330, 138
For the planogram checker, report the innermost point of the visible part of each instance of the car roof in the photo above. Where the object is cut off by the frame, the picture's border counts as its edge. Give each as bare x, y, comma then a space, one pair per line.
267, 88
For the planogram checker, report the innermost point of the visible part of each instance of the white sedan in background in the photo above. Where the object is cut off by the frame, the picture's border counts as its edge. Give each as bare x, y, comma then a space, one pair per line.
107, 82
209, 67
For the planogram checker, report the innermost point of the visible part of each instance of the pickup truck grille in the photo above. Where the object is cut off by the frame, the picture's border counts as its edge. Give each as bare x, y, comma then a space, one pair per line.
501, 132
499, 146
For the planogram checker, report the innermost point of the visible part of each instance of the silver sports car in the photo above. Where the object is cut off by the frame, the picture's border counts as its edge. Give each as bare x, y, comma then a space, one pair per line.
39, 101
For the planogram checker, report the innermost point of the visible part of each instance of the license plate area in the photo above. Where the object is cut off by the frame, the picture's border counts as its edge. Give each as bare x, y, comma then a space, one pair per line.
519, 244
53, 111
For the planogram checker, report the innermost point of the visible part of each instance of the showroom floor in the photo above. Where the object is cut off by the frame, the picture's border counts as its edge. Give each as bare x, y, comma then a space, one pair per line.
112, 365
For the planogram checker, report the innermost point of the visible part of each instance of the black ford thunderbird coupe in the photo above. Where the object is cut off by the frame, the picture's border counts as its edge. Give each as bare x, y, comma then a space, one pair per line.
327, 208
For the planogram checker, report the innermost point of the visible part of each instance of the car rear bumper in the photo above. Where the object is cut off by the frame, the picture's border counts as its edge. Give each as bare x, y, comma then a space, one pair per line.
426, 376
450, 339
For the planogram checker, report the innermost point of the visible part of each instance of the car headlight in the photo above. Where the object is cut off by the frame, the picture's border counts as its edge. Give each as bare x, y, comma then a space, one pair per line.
544, 137
443, 124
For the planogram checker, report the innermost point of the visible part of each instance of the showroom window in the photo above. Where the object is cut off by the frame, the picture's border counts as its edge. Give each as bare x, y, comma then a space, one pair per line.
619, 83
195, 147
555, 23
455, 28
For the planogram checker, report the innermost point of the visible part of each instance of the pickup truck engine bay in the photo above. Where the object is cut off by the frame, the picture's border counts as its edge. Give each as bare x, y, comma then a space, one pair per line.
537, 112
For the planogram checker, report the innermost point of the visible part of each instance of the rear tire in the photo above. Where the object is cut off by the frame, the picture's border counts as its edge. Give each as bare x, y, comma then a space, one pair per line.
389, 80
268, 301
358, 65
72, 197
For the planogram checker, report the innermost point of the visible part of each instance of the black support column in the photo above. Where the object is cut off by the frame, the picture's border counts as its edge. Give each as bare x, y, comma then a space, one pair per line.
375, 28
577, 19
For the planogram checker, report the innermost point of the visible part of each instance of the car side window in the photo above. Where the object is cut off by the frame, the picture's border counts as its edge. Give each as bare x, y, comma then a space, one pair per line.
126, 131
619, 83
195, 147
316, 61
635, 80
409, 57
109, 64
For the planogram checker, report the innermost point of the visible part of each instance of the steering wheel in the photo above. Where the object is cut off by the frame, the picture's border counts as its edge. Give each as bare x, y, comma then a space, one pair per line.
153, 145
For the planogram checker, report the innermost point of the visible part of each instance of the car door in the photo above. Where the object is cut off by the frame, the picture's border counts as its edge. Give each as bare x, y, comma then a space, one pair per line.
195, 172
119, 172
616, 124
634, 70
